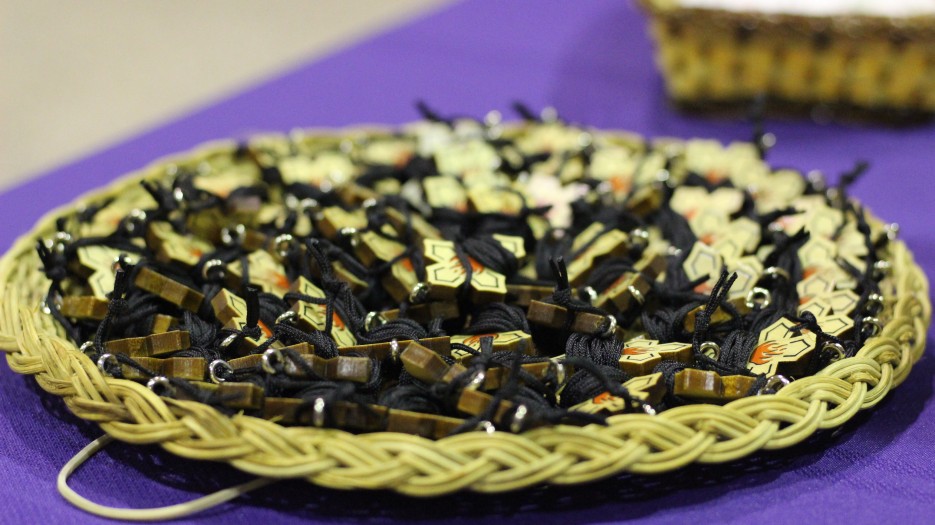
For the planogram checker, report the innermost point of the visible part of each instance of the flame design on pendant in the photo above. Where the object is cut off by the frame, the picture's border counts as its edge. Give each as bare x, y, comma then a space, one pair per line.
475, 339
765, 352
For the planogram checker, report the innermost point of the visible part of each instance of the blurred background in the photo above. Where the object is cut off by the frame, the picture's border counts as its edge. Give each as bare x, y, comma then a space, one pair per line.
78, 76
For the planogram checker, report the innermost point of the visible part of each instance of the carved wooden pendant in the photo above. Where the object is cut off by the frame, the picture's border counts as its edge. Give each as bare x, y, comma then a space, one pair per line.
150, 346
702, 261
84, 307
841, 302
421, 228
239, 396
163, 323
632, 288
310, 316
264, 271
514, 341
231, 311
317, 413
169, 289
429, 426
401, 279
474, 402
782, 350
371, 248
711, 387
613, 243
391, 349
647, 389
555, 316
445, 192
174, 247
426, 365
639, 356
497, 377
334, 219
446, 276
97, 263
340, 368
188, 368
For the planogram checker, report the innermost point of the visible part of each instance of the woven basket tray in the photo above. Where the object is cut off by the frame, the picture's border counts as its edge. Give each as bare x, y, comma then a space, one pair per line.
869, 64
476, 461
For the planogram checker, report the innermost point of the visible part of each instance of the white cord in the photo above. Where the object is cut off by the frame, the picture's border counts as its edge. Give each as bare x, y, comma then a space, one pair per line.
159, 513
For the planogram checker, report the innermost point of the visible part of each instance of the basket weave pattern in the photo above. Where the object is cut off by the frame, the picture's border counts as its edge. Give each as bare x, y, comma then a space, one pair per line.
860, 61
476, 461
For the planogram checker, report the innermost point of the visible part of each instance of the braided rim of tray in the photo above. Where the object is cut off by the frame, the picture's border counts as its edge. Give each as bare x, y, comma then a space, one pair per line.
477, 461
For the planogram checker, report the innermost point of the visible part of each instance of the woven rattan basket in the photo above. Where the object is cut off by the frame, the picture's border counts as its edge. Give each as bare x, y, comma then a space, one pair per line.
871, 64
476, 461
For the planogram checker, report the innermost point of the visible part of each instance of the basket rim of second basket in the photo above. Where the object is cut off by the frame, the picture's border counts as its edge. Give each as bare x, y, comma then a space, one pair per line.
851, 26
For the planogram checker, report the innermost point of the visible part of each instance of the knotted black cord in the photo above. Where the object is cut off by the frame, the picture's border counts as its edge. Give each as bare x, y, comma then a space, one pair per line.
429, 114
401, 329
703, 318
525, 112
808, 321
504, 393
562, 296
115, 308
491, 254
784, 297
498, 317
89, 212
590, 380
758, 117
53, 266
464, 291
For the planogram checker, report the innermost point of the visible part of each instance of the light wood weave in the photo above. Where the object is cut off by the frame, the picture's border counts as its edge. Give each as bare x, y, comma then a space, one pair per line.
475, 461
867, 62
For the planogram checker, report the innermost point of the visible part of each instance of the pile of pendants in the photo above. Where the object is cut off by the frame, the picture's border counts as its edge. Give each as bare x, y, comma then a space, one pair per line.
460, 274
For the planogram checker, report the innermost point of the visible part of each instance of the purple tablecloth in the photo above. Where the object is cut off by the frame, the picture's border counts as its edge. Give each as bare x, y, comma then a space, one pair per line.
591, 60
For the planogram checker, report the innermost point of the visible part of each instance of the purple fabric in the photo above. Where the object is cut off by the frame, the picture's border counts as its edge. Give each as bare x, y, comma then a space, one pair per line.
591, 60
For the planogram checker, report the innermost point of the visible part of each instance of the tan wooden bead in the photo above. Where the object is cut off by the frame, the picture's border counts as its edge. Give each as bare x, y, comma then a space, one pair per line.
150, 346
169, 289
710, 386
555, 316
429, 426
423, 363
84, 307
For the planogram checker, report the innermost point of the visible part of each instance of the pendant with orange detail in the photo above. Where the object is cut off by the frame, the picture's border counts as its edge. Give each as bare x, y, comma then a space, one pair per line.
783, 350
401, 279
264, 271
514, 341
231, 310
447, 275
782, 356
646, 389
595, 245
311, 316
175, 247
97, 263
631, 288
640, 356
